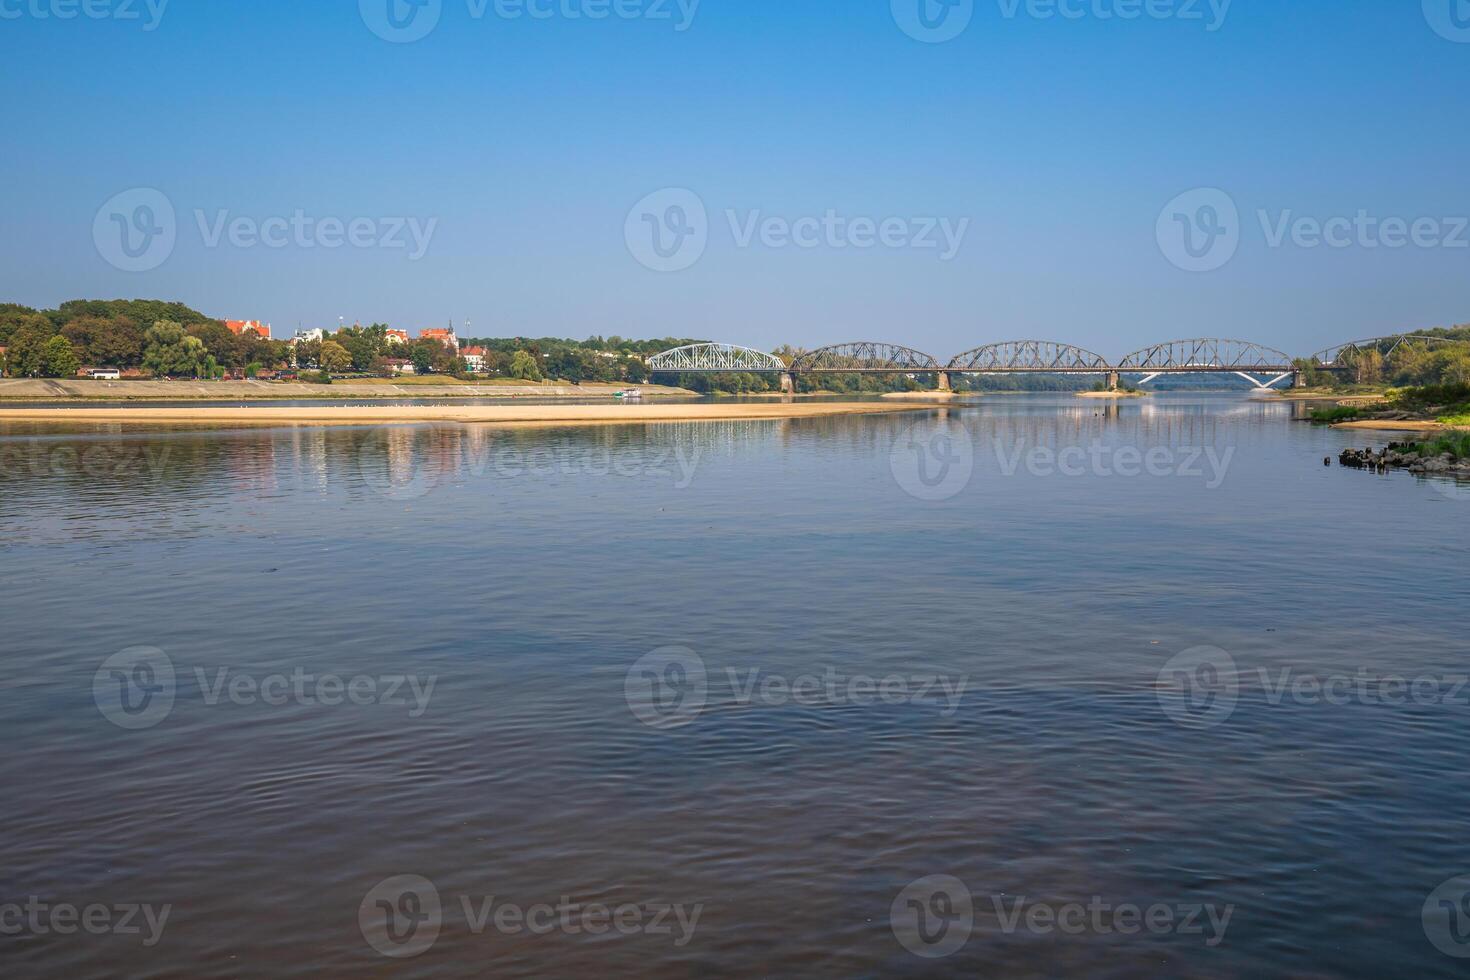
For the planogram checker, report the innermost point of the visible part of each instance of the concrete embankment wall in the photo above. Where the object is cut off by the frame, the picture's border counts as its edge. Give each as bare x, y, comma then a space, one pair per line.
48, 389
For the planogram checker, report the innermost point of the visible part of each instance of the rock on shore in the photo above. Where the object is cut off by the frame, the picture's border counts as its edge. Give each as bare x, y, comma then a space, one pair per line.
1404, 455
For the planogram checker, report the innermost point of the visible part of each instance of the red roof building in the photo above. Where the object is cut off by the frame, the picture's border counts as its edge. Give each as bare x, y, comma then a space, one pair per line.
238, 327
445, 337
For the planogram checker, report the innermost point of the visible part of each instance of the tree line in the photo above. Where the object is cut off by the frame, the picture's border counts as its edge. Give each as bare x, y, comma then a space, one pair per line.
172, 340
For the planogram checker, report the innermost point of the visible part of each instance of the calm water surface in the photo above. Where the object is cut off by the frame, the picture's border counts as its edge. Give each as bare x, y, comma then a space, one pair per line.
528, 575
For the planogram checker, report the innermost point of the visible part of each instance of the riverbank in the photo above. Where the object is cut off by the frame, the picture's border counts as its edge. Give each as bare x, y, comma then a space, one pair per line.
48, 390
513, 416
1446, 456
1112, 394
1394, 425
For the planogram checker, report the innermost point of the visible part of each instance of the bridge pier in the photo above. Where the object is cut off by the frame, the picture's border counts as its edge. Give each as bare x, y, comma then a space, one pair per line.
1298, 379
1113, 381
944, 381
788, 383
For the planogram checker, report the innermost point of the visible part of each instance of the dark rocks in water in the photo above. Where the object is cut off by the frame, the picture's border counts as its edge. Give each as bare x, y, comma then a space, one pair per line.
1404, 456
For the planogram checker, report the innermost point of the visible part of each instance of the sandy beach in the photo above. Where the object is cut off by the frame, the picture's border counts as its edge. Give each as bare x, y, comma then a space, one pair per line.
502, 415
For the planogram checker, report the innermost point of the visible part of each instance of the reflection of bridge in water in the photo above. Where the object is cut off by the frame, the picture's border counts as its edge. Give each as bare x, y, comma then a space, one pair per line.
1262, 366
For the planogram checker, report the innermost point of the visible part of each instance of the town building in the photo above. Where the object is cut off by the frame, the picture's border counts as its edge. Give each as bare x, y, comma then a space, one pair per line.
399, 365
307, 336
238, 327
396, 336
445, 337
474, 359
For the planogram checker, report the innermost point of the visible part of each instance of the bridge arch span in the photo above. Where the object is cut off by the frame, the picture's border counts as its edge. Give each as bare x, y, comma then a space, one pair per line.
712, 358
1206, 354
1334, 356
866, 356
1041, 356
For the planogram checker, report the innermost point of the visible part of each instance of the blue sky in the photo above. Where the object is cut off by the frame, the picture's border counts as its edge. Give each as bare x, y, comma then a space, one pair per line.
519, 147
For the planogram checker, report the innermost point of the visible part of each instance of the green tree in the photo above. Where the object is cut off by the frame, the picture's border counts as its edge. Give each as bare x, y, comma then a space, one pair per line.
27, 350
58, 360
422, 355
523, 366
169, 351
334, 357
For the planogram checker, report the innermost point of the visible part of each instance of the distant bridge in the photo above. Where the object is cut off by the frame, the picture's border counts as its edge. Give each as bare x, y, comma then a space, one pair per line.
1262, 366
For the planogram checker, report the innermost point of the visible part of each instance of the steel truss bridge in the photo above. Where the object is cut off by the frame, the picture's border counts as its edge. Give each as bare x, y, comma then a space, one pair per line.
1264, 367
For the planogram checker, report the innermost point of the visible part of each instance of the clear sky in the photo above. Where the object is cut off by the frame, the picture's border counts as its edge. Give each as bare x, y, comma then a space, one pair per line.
1050, 139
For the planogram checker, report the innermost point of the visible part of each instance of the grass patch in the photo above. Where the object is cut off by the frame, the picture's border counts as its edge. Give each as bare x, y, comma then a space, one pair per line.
1338, 413
1457, 444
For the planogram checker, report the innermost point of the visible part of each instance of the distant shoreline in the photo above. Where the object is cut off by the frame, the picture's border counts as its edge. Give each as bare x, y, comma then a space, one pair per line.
21, 390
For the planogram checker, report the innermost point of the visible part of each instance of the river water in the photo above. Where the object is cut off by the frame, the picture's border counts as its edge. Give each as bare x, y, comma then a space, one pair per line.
1035, 687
